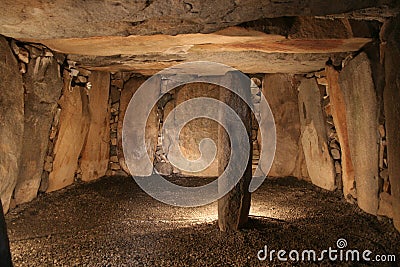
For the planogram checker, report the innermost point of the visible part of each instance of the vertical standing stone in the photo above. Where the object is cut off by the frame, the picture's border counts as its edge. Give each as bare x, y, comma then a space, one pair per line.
338, 109
234, 207
11, 122
95, 154
283, 101
43, 86
130, 88
73, 128
362, 123
392, 112
313, 136
194, 131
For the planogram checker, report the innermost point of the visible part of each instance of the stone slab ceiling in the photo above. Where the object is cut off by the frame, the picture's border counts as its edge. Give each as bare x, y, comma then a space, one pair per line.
147, 36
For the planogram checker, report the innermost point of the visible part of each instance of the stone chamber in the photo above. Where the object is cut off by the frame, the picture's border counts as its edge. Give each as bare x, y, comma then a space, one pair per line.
68, 70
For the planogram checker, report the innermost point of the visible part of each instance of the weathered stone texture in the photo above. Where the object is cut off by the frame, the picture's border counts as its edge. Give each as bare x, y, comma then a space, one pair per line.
11, 122
130, 88
233, 208
362, 123
73, 128
43, 86
95, 154
196, 130
392, 111
106, 18
313, 136
281, 95
338, 110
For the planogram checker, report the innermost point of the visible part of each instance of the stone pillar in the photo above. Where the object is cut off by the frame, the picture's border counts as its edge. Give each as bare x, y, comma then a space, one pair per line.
234, 207
313, 136
357, 84
392, 111
5, 255
73, 128
338, 110
95, 154
43, 86
11, 122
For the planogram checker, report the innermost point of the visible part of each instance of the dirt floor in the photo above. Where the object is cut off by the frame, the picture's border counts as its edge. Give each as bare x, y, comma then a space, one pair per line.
112, 222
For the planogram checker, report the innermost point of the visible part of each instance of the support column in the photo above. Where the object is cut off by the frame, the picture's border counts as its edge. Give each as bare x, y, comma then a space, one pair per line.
234, 207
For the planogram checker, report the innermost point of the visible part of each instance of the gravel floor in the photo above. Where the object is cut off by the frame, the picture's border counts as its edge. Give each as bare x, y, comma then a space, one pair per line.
111, 222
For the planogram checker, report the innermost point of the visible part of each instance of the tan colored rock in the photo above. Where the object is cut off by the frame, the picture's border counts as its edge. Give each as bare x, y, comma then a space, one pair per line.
392, 111
360, 97
130, 87
194, 131
281, 95
43, 86
339, 117
73, 129
146, 18
96, 151
385, 205
114, 159
234, 207
335, 153
313, 136
115, 166
11, 122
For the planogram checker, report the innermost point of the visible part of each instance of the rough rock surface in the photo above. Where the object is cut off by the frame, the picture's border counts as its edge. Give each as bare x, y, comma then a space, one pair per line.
73, 128
43, 87
313, 136
129, 88
11, 122
233, 208
281, 95
61, 19
338, 110
196, 130
95, 154
392, 112
361, 113
151, 126
274, 40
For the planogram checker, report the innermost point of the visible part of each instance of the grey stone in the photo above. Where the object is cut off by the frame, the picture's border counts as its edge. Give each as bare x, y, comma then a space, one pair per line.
43, 89
234, 207
313, 136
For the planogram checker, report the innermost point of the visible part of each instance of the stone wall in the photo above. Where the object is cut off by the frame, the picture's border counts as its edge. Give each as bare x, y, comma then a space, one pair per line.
281, 93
